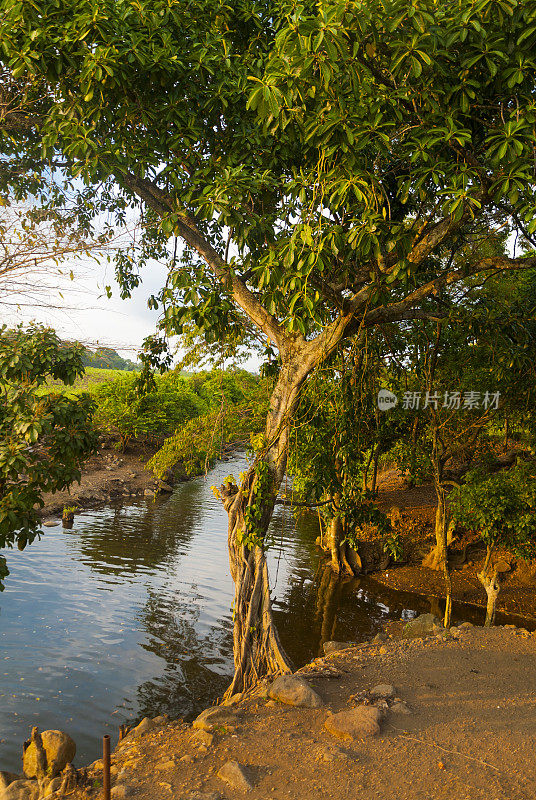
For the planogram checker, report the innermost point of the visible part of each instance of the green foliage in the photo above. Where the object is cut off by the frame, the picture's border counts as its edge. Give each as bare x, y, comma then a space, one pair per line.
392, 544
336, 430
199, 442
308, 141
500, 507
128, 413
254, 531
43, 439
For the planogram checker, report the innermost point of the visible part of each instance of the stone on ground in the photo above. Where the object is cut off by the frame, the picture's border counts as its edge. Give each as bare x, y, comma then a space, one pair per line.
383, 690
60, 750
145, 725
334, 647
294, 691
120, 792
212, 717
423, 625
400, 708
356, 723
235, 775
203, 737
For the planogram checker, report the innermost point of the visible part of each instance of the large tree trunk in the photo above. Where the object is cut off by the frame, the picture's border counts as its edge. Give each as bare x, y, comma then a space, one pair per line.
257, 650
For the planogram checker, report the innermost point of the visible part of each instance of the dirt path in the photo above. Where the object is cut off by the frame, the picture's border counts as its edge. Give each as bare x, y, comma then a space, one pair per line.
471, 732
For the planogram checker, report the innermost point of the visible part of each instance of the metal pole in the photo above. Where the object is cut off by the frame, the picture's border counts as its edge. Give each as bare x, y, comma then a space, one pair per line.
106, 767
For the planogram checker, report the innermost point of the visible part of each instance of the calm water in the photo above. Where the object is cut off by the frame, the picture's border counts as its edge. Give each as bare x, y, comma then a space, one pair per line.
128, 615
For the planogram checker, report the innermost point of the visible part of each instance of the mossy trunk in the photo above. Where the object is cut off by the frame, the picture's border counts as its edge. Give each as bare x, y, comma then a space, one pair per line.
344, 559
258, 652
490, 581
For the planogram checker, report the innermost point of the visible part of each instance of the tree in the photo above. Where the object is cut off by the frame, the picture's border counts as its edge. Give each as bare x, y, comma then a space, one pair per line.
337, 431
43, 437
501, 508
315, 160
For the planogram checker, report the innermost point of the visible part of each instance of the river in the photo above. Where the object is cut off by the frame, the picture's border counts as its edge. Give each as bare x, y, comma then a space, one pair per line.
129, 614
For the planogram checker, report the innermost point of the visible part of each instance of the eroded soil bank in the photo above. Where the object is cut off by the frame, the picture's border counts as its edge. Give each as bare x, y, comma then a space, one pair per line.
470, 732
466, 556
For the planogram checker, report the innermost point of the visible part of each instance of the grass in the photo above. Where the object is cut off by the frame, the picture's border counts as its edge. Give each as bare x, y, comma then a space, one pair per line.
92, 377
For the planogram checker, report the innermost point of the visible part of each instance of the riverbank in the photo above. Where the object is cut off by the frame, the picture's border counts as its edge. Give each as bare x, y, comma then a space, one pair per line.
109, 476
417, 507
112, 477
455, 717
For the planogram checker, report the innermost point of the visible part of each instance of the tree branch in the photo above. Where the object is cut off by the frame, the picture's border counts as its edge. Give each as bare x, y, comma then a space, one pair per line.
187, 229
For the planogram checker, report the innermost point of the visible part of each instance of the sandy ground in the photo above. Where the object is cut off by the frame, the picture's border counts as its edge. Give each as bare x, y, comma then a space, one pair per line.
471, 732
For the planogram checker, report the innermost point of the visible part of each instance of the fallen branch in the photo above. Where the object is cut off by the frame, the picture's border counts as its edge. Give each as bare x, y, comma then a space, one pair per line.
445, 750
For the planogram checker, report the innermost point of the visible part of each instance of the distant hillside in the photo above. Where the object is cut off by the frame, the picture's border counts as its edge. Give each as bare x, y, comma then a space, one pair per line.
106, 358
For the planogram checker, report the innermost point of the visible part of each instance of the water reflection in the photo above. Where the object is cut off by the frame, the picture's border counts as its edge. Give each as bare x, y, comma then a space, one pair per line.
128, 614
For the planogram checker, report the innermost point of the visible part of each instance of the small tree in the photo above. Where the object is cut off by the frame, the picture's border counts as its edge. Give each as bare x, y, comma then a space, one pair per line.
501, 508
43, 438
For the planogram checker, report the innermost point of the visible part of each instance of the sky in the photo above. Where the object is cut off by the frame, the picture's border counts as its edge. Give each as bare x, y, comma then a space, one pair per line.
83, 311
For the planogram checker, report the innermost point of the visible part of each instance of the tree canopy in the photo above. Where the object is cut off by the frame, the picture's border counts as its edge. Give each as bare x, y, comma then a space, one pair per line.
43, 438
328, 167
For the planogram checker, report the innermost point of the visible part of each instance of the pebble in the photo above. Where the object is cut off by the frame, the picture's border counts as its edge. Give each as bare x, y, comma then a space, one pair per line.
203, 737
213, 717
400, 708
120, 792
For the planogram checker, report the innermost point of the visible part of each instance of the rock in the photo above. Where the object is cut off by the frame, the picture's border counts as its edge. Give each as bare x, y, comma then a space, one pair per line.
8, 777
164, 487
20, 790
294, 691
203, 737
235, 775
169, 764
400, 708
50, 523
328, 754
188, 758
145, 725
120, 792
203, 796
148, 493
465, 625
334, 647
423, 625
60, 750
382, 706
356, 723
160, 720
213, 717
383, 690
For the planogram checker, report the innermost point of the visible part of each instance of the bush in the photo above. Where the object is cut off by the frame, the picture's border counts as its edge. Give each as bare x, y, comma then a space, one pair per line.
124, 412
